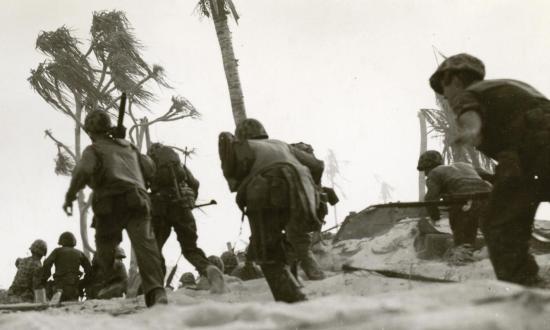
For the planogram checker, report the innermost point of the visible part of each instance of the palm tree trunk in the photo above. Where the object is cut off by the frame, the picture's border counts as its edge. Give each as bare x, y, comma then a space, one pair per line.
423, 148
230, 66
82, 205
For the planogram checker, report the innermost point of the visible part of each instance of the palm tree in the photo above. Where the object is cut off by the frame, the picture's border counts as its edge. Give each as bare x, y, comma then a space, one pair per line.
73, 82
219, 10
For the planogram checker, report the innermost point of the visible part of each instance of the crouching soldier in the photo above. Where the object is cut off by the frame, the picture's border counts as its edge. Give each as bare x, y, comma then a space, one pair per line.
509, 121
97, 286
174, 190
455, 180
116, 172
275, 189
27, 278
67, 261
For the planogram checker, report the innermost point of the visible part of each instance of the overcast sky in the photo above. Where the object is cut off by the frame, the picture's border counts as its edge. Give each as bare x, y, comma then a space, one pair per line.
343, 75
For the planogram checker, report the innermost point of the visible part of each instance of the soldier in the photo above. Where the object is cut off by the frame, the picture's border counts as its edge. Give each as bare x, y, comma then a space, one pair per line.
67, 261
174, 190
28, 273
230, 262
455, 180
247, 271
187, 280
275, 189
115, 170
509, 121
97, 286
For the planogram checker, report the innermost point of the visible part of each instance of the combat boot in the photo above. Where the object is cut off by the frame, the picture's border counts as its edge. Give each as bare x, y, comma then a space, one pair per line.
216, 280
156, 296
282, 283
311, 267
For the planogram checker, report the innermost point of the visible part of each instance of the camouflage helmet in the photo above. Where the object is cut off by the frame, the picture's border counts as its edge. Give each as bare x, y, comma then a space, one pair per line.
460, 62
187, 279
154, 149
230, 260
250, 129
119, 253
429, 160
39, 247
97, 121
67, 239
216, 261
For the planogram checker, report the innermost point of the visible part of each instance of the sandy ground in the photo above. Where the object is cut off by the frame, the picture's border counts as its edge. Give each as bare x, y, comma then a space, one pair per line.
356, 300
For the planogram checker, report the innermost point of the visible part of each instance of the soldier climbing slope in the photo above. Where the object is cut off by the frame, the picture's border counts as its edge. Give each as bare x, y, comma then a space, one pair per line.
28, 274
457, 179
509, 121
116, 172
174, 190
67, 261
275, 189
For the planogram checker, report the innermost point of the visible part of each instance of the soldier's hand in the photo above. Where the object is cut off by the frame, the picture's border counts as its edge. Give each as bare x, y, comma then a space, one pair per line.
68, 208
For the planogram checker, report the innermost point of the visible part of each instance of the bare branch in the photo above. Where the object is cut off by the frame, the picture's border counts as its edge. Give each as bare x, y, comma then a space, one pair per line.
60, 144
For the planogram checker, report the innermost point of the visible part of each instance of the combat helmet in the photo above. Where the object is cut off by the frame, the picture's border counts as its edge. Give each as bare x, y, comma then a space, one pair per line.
460, 62
429, 159
39, 247
216, 261
250, 129
97, 121
67, 239
230, 260
187, 279
119, 253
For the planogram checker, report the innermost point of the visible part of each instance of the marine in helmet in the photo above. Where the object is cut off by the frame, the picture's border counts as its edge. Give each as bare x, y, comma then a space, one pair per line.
457, 179
68, 261
116, 172
27, 278
509, 121
275, 184
230, 262
174, 190
187, 280
97, 286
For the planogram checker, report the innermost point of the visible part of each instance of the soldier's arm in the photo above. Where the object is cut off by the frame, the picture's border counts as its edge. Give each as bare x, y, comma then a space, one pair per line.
469, 112
485, 175
47, 266
316, 166
82, 173
191, 181
433, 193
85, 263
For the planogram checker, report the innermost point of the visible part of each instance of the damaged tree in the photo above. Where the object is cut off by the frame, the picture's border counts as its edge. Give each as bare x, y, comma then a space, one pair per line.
219, 10
73, 82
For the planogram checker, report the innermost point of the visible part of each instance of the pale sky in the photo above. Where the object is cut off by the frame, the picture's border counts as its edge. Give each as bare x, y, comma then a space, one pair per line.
342, 75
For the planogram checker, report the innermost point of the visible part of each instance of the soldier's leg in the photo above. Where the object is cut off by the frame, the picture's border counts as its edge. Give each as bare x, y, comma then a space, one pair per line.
186, 230
162, 230
267, 242
148, 256
108, 236
300, 242
507, 230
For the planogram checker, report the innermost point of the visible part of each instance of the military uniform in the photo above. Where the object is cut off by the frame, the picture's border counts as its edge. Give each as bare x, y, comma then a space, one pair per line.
26, 279
116, 172
275, 189
67, 261
455, 180
247, 271
515, 131
98, 286
171, 211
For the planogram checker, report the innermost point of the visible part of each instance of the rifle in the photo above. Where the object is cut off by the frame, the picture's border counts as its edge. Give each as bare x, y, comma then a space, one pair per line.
212, 202
119, 131
172, 274
447, 200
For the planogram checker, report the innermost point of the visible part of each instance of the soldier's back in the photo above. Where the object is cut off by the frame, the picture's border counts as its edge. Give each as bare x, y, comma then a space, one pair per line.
67, 261
459, 178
